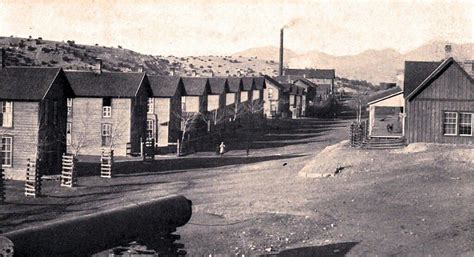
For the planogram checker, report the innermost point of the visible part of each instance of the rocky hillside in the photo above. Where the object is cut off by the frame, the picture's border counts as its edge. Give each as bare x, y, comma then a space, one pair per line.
72, 56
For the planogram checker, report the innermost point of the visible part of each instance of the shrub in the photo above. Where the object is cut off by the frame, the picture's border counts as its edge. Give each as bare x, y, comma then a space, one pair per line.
330, 109
31, 48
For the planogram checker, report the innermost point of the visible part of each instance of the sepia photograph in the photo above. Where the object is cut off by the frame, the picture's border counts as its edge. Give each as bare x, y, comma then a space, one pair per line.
213, 128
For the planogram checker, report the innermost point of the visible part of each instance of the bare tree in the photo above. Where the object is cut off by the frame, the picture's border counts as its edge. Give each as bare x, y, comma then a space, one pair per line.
188, 124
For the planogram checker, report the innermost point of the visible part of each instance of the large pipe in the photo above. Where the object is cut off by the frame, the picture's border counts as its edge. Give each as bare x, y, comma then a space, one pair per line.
92, 233
280, 71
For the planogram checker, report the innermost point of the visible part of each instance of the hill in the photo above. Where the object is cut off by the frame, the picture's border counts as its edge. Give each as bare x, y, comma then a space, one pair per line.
72, 56
372, 65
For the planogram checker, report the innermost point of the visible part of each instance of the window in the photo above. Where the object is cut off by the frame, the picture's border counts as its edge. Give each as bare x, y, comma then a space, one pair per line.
270, 93
69, 107
183, 104
450, 123
106, 107
7, 146
150, 129
106, 133
151, 105
6, 114
68, 133
465, 124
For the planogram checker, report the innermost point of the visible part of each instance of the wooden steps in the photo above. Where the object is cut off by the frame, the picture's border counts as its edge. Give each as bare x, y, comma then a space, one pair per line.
68, 174
106, 163
385, 143
33, 179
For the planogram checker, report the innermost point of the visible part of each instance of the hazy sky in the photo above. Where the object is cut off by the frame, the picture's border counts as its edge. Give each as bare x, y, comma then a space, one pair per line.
196, 27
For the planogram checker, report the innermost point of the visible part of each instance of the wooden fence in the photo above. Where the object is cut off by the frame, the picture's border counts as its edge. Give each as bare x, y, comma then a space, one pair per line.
359, 133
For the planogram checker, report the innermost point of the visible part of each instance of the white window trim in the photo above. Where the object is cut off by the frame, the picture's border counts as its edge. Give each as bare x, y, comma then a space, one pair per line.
456, 124
106, 111
8, 109
11, 152
151, 105
153, 127
459, 123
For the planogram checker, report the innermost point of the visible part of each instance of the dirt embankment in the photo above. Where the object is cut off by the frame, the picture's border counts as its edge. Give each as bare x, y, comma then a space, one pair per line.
341, 158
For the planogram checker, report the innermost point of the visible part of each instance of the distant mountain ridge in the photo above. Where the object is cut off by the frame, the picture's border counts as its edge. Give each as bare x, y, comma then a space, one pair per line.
372, 65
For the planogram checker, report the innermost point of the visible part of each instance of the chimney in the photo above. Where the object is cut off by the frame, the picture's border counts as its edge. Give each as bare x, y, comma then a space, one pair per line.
140, 68
194, 73
281, 53
99, 71
212, 73
4, 58
172, 71
239, 74
448, 51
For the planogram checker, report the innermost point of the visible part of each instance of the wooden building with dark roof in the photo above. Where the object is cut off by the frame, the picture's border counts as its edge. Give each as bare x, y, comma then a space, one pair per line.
196, 91
275, 99
439, 103
164, 110
33, 119
109, 112
233, 97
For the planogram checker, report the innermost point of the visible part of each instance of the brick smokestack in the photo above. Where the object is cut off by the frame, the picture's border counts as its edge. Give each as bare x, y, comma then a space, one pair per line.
4, 58
280, 71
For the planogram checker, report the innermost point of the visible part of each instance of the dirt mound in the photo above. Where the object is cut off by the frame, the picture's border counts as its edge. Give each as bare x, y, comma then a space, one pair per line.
332, 160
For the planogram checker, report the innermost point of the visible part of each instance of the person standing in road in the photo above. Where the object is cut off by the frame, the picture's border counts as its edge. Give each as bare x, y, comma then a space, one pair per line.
221, 149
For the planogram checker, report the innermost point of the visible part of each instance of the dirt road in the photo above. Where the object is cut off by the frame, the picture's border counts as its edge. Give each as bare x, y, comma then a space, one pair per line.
258, 205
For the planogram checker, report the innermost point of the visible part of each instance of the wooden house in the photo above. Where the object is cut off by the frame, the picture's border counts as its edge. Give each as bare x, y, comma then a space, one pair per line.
387, 113
311, 95
195, 98
233, 97
164, 110
324, 78
33, 119
440, 105
109, 112
248, 87
275, 100
216, 100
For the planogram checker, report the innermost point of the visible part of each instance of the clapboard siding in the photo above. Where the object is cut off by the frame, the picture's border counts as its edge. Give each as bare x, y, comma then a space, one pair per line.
451, 90
87, 119
25, 137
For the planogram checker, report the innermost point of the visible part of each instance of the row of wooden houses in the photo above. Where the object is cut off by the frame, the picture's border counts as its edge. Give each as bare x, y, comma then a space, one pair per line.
48, 111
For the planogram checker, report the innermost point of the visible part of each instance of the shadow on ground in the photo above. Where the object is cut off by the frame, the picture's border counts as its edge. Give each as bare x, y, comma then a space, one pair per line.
184, 164
331, 250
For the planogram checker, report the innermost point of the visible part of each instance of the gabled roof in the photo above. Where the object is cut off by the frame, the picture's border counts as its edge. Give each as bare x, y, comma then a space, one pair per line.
415, 73
164, 86
312, 73
248, 83
382, 95
438, 71
105, 84
26, 83
218, 85
195, 86
235, 84
306, 82
259, 83
274, 82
